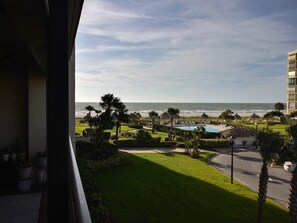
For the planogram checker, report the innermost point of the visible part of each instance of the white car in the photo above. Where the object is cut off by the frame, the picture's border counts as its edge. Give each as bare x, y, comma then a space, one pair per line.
288, 166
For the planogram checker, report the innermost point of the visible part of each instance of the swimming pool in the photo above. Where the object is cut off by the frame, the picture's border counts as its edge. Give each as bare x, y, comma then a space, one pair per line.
193, 127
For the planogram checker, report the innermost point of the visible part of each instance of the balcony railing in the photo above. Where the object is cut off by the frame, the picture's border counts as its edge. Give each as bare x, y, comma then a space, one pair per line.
81, 210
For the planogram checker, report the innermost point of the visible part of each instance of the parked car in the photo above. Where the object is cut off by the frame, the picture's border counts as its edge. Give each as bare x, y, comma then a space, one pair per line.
288, 166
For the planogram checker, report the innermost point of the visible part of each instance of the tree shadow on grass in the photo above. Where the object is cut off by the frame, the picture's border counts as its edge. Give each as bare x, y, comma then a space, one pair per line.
162, 189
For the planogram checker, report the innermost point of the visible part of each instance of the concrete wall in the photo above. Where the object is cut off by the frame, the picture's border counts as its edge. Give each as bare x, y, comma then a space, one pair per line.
37, 112
14, 108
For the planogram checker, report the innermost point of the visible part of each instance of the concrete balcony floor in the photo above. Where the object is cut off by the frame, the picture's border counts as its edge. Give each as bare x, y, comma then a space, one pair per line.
20, 208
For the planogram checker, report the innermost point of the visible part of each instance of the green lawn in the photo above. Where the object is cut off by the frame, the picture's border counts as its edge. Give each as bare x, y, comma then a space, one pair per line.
281, 128
175, 188
157, 134
79, 127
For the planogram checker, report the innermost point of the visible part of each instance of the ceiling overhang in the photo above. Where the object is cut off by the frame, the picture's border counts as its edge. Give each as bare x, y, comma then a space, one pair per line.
24, 25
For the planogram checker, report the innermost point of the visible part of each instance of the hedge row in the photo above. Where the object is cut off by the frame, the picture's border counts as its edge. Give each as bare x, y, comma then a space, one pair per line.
154, 142
96, 166
214, 143
92, 132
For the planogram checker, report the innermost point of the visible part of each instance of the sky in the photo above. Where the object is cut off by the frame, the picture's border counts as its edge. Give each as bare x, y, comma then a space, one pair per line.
185, 50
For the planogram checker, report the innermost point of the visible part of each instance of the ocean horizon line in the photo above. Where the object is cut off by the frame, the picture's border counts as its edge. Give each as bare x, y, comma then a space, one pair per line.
188, 102
187, 108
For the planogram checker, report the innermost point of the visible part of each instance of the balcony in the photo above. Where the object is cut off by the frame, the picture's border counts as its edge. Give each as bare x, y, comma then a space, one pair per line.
292, 66
32, 206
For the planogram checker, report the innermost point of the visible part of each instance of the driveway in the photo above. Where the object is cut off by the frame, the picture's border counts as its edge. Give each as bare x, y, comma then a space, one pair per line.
246, 169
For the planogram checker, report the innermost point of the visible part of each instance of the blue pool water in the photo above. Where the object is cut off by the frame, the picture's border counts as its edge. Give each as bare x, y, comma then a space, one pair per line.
193, 127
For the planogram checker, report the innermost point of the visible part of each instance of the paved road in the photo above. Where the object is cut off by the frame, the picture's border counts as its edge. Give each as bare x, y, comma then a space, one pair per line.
247, 166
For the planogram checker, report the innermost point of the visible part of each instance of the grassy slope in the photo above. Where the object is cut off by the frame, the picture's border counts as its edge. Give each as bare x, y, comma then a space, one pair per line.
176, 188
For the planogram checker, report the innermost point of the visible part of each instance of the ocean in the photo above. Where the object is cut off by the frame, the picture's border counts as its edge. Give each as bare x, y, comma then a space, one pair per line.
187, 109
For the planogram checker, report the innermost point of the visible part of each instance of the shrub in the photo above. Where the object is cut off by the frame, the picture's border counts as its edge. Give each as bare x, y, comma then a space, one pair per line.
98, 211
154, 142
167, 139
106, 150
162, 128
89, 151
214, 143
180, 139
142, 134
195, 153
128, 134
211, 135
181, 145
113, 137
96, 166
285, 154
89, 132
135, 126
85, 150
106, 136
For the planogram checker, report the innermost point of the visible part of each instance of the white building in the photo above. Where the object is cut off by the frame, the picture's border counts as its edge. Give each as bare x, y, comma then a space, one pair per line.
292, 83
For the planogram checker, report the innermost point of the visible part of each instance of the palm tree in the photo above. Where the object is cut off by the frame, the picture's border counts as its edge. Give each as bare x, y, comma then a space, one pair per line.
120, 115
269, 143
153, 115
109, 102
134, 119
197, 134
279, 106
292, 146
87, 118
89, 108
97, 112
174, 113
103, 120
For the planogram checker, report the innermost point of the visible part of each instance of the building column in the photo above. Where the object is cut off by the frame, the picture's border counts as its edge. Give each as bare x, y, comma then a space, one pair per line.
59, 207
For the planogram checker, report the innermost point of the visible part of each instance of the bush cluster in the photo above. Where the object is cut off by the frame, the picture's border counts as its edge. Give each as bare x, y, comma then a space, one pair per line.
143, 135
85, 150
96, 166
162, 128
154, 142
88, 132
214, 143
90, 151
128, 134
135, 126
98, 211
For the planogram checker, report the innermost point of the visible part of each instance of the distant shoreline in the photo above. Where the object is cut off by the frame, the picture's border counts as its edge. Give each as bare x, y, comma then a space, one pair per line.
188, 109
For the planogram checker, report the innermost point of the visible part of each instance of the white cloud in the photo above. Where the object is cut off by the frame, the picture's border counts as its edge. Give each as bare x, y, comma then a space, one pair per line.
172, 44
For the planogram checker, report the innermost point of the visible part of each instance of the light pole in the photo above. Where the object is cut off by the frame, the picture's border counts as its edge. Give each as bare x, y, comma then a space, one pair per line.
232, 147
256, 134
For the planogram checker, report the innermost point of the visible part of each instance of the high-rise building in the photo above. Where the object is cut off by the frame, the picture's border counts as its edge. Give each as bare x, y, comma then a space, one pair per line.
292, 81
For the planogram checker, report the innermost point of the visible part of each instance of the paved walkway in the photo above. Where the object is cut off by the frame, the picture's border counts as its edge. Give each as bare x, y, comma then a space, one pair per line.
153, 150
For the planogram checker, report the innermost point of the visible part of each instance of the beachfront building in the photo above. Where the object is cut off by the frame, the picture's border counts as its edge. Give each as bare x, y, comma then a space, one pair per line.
292, 81
37, 66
